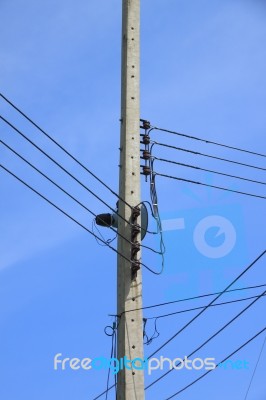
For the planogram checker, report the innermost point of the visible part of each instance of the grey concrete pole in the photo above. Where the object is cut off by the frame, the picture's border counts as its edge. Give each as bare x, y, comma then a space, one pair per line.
129, 291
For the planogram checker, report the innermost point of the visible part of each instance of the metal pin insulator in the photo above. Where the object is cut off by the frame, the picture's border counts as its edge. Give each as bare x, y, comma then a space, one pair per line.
146, 170
146, 155
135, 249
146, 139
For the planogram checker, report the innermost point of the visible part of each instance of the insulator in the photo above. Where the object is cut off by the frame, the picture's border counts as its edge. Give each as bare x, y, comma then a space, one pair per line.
146, 124
135, 231
135, 249
146, 155
135, 266
135, 213
146, 139
146, 170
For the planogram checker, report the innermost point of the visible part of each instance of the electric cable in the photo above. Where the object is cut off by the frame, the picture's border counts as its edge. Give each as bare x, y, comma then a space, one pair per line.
207, 170
61, 167
206, 308
207, 155
255, 369
225, 359
211, 337
73, 177
63, 190
64, 150
257, 298
201, 307
155, 212
208, 185
194, 298
74, 220
94, 227
59, 209
113, 354
209, 141
62, 211
109, 370
103, 393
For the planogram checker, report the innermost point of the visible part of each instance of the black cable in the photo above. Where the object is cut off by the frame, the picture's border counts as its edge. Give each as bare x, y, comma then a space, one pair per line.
207, 155
69, 216
200, 308
95, 227
224, 327
225, 359
206, 308
149, 204
211, 337
62, 168
109, 369
75, 159
77, 201
255, 369
115, 355
194, 298
64, 150
63, 190
208, 170
73, 198
155, 212
111, 357
62, 211
209, 141
212, 186
103, 393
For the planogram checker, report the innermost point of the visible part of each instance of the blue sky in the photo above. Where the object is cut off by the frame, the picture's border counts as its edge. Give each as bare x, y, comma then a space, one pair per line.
202, 73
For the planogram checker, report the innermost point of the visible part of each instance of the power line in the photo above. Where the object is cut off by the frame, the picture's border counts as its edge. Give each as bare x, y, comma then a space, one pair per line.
68, 194
211, 337
225, 359
156, 333
207, 170
202, 311
73, 219
64, 150
111, 357
156, 215
61, 167
200, 308
206, 342
208, 141
62, 211
55, 184
255, 369
207, 155
78, 181
103, 393
208, 185
197, 297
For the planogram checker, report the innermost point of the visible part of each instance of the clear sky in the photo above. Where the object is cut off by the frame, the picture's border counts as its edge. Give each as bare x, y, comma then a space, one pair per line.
202, 73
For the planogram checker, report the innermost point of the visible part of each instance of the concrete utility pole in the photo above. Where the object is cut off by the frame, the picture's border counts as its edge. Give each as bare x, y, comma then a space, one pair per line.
129, 288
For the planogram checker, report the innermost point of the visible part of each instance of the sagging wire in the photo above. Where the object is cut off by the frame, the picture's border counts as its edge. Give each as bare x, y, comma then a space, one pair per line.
156, 318
113, 355
106, 241
155, 334
148, 171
